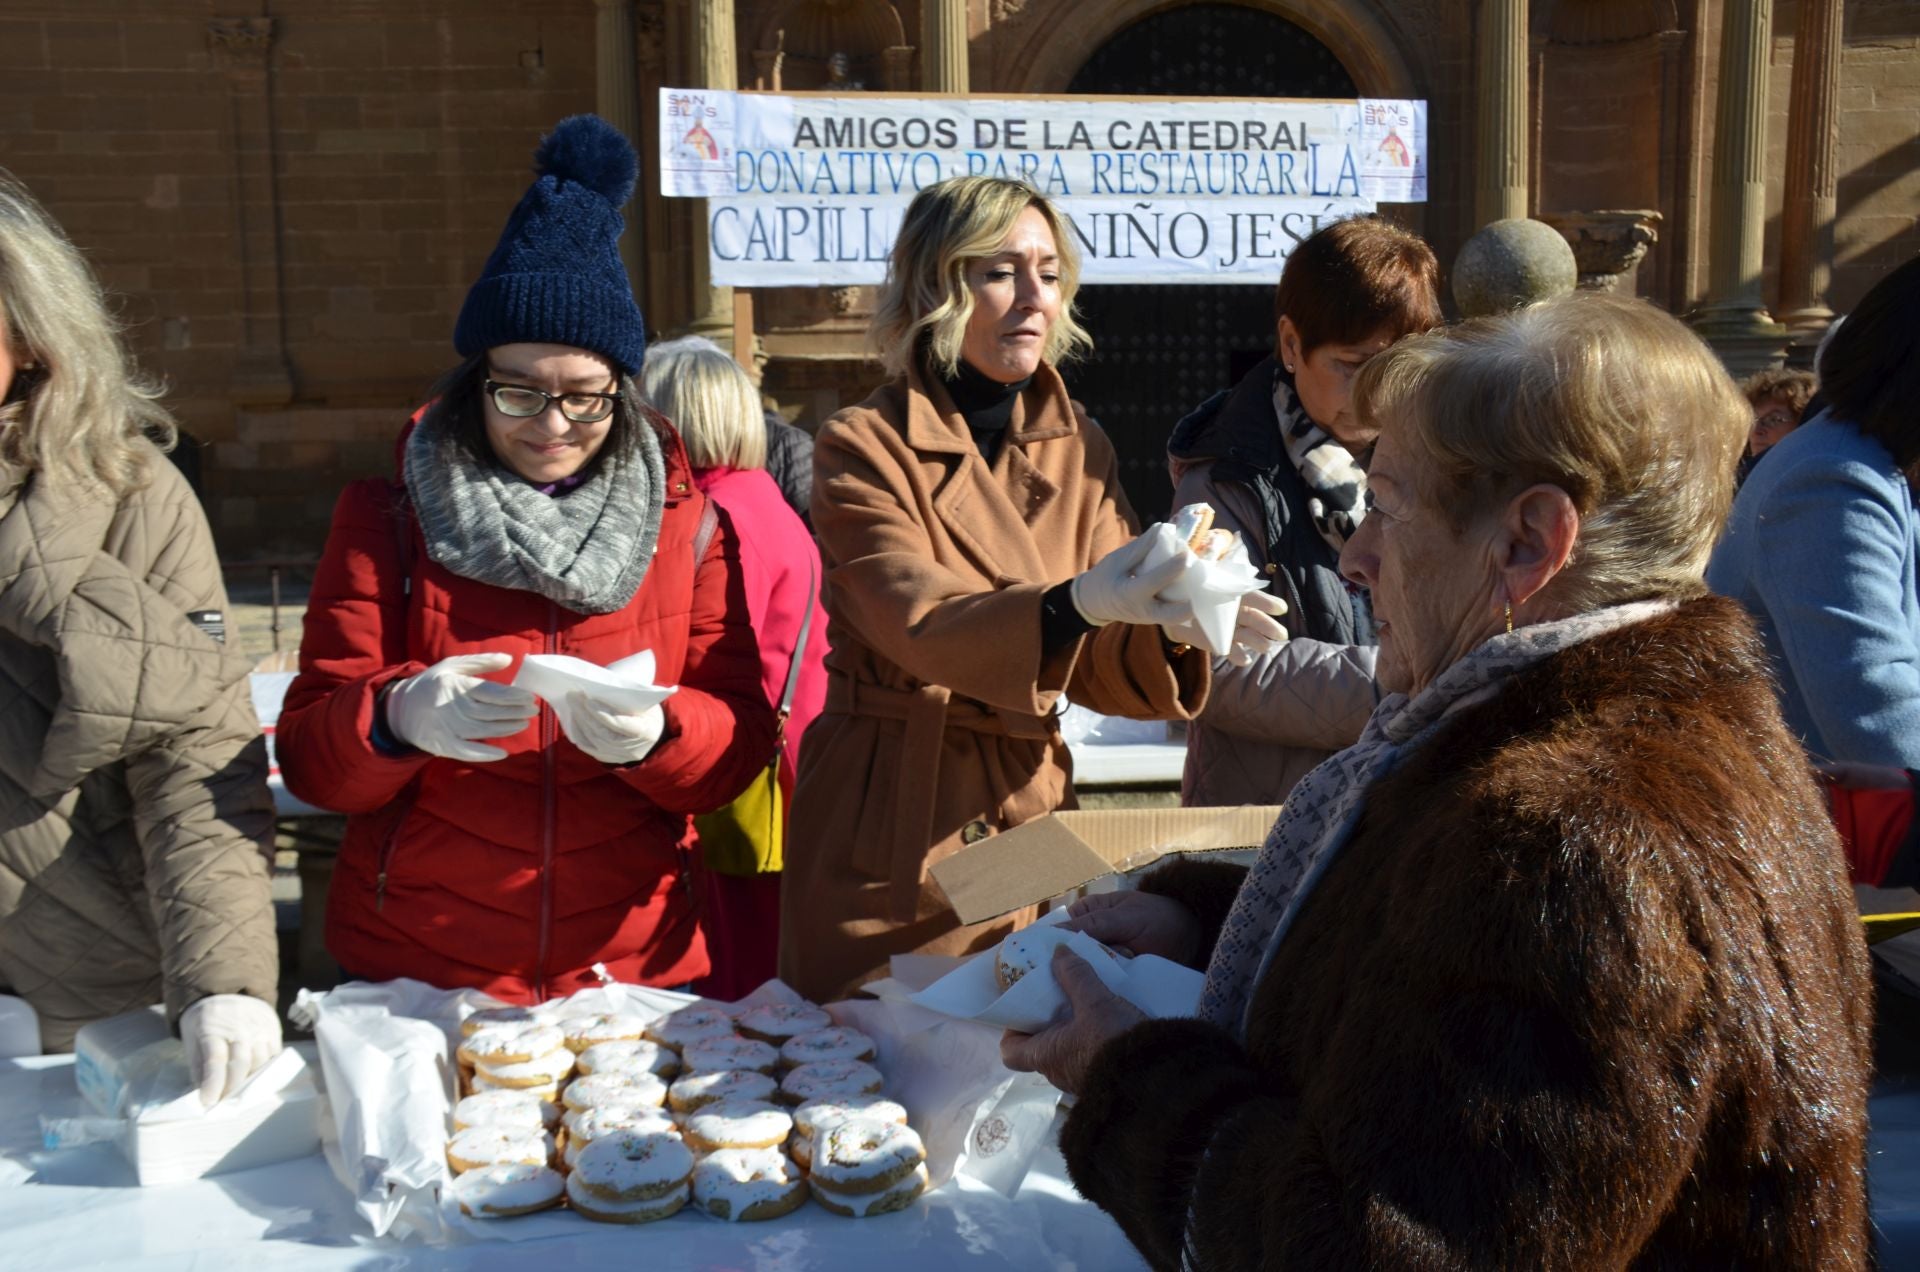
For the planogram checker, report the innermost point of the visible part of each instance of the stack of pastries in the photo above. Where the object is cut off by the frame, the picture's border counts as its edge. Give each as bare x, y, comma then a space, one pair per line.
627, 1120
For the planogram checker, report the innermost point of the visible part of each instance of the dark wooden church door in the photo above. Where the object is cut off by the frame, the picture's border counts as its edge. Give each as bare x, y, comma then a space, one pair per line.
1161, 350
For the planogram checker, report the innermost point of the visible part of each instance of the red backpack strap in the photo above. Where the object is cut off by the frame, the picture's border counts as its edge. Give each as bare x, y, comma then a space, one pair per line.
703, 533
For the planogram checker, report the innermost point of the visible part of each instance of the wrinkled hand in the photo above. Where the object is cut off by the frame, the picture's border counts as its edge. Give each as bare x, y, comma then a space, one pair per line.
1255, 633
446, 708
1139, 923
1115, 590
1062, 1052
228, 1038
614, 737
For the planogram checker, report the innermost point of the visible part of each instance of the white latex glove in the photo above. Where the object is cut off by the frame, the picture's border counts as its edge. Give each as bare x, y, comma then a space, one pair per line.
1254, 630
229, 1038
1114, 590
614, 737
446, 707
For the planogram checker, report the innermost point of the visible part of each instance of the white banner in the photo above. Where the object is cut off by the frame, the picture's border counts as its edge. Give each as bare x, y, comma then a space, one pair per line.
810, 190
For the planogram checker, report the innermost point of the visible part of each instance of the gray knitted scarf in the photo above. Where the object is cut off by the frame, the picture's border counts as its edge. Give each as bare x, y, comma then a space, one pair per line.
585, 549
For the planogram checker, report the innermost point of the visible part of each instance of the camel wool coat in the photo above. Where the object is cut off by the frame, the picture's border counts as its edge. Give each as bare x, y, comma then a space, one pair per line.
1584, 989
939, 728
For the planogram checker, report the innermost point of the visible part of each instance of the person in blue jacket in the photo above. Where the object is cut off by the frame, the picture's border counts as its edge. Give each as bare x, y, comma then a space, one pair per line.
1823, 542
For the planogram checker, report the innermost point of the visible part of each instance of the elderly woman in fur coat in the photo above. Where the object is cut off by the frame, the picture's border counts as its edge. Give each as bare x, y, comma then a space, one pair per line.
1557, 966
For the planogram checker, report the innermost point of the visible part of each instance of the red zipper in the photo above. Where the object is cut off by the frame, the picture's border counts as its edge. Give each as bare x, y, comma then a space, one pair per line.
549, 812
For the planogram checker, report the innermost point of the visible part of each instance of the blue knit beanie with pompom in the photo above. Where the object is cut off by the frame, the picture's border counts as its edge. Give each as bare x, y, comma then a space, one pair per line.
556, 275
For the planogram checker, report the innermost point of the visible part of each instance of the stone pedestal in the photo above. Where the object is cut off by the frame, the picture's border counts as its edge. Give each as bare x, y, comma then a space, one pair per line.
1511, 263
1607, 246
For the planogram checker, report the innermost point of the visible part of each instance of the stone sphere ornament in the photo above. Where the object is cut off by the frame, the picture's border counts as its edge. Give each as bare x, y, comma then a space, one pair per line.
1512, 263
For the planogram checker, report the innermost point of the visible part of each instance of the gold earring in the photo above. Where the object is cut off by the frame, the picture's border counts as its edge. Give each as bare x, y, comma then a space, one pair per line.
1509, 609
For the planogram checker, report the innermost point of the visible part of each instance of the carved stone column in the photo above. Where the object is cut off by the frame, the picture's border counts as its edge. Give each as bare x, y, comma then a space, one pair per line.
1500, 128
1735, 320
943, 46
240, 47
617, 98
1813, 124
715, 65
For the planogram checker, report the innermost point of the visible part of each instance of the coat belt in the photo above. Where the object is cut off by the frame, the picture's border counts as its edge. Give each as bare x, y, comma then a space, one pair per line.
928, 711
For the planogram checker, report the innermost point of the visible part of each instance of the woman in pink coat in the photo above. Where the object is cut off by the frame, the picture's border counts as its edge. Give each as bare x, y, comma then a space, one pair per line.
709, 398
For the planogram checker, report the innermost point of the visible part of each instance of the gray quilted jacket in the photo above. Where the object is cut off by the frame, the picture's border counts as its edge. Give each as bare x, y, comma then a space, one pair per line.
134, 813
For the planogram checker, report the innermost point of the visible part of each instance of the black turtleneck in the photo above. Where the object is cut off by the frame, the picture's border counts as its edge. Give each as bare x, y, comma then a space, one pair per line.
987, 407
985, 404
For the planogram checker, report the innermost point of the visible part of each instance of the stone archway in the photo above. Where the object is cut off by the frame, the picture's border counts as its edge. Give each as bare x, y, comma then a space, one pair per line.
1161, 350
1064, 36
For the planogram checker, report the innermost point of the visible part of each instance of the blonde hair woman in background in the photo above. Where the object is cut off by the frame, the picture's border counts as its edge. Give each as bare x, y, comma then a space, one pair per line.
710, 400
129, 754
981, 562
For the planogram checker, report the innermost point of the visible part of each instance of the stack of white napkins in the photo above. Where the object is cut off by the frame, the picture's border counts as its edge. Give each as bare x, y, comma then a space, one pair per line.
626, 685
133, 1072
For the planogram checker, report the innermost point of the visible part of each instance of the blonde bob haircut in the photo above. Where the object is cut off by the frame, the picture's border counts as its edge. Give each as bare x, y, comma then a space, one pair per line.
1610, 399
710, 400
949, 226
78, 413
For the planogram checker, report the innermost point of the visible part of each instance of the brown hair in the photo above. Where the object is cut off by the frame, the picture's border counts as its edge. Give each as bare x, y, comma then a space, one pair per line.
925, 299
1610, 399
1347, 280
1870, 371
1795, 388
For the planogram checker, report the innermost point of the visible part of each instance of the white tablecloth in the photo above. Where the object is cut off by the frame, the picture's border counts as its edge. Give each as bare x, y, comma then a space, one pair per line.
80, 1208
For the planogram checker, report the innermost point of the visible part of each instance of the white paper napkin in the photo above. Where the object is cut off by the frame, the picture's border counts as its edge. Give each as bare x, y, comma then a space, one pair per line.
1212, 588
626, 685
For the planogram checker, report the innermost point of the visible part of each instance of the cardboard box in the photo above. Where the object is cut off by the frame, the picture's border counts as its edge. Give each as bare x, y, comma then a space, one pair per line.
1058, 853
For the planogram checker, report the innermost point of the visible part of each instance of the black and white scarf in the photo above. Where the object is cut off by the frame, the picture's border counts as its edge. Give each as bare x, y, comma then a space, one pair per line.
586, 549
1336, 485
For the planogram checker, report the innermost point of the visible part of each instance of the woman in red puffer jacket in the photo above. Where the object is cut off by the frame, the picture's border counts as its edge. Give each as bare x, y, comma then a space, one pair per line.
540, 509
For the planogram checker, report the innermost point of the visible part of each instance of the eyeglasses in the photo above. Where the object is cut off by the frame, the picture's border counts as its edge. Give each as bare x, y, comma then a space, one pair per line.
1773, 420
522, 402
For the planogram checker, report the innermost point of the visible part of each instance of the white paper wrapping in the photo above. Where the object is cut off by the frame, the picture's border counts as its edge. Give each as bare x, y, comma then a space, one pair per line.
970, 991
626, 685
1212, 588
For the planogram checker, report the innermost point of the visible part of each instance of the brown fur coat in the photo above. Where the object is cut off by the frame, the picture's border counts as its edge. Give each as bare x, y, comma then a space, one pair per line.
1586, 989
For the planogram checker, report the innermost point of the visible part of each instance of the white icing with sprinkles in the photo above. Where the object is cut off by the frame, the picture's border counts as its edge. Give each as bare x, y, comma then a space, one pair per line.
632, 1162
745, 1177
831, 1078
744, 1084
500, 1108
716, 1055
615, 1088
515, 1187
784, 1020
837, 1043
728, 1123
627, 1056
